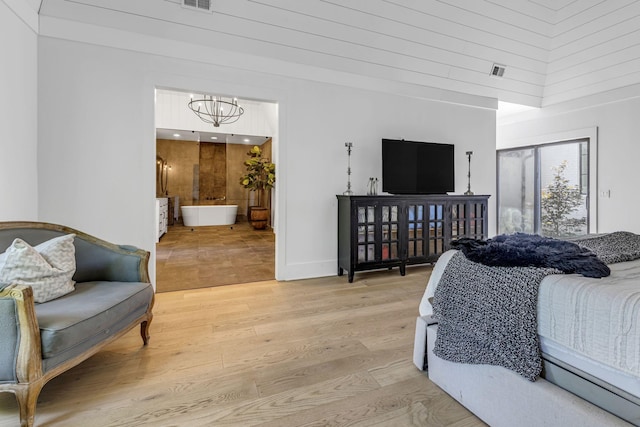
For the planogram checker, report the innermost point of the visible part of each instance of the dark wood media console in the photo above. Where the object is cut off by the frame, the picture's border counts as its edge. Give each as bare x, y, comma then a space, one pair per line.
395, 231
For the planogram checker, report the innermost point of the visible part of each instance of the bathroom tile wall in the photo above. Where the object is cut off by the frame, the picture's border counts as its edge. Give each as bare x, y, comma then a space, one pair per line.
201, 172
213, 173
182, 157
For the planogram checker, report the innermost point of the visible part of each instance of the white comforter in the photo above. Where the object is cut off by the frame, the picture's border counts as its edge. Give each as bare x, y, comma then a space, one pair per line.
598, 318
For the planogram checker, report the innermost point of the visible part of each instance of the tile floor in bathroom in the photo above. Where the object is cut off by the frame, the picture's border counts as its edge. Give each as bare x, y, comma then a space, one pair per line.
201, 257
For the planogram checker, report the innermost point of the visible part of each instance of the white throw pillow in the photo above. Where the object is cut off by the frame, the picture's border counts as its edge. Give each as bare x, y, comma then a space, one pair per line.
47, 268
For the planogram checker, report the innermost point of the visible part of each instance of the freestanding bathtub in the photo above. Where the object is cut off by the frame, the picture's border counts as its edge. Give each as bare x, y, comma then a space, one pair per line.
194, 216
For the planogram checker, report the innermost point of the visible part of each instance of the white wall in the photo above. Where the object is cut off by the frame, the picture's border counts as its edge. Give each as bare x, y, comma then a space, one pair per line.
98, 176
618, 130
18, 114
95, 126
319, 126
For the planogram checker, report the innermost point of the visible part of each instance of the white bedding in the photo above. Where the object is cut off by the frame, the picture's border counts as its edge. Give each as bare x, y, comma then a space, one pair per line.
599, 319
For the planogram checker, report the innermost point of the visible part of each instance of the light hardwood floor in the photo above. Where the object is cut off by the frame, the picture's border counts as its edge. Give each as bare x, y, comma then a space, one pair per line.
318, 352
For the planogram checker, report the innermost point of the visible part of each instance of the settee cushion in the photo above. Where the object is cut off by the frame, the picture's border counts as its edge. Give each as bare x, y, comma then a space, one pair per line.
47, 268
75, 322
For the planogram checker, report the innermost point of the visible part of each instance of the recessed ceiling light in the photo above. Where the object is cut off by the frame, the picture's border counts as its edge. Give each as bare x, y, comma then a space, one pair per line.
214, 137
247, 140
176, 135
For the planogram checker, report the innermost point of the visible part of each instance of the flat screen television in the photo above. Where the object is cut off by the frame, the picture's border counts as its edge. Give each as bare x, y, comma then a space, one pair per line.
410, 167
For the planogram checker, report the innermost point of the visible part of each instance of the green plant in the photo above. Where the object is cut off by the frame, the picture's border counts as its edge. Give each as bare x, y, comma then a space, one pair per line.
559, 201
261, 173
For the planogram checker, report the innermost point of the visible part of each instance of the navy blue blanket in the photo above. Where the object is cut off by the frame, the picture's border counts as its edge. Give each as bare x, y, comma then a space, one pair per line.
531, 250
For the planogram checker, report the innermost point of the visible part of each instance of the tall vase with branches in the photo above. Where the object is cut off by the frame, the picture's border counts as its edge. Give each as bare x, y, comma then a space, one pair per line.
261, 173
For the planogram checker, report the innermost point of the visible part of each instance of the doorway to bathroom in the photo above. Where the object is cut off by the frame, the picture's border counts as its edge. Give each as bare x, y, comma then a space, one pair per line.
204, 236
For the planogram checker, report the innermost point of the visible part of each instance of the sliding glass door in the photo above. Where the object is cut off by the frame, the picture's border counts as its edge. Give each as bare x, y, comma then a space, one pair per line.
544, 189
516, 191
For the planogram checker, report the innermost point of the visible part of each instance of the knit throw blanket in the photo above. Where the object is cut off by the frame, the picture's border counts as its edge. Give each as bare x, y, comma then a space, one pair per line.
486, 308
487, 315
614, 247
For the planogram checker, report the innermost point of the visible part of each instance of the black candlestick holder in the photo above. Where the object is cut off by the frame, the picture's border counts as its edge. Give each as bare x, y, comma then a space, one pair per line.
469, 192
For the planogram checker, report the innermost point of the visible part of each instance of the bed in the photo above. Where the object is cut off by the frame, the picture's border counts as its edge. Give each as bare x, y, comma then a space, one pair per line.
588, 333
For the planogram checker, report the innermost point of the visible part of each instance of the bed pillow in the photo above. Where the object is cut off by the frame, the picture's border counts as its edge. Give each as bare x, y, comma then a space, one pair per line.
47, 268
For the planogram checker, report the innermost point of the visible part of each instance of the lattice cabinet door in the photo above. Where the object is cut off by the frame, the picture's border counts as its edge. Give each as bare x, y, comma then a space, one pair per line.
438, 235
417, 230
390, 228
367, 218
458, 220
468, 219
477, 219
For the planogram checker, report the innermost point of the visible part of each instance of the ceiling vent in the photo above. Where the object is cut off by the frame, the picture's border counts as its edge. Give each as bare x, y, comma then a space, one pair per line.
497, 70
202, 5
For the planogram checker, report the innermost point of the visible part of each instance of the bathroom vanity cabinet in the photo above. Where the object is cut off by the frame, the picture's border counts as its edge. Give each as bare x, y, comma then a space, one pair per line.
162, 216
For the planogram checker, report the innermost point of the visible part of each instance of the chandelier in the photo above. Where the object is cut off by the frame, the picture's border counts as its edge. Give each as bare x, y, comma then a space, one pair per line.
216, 110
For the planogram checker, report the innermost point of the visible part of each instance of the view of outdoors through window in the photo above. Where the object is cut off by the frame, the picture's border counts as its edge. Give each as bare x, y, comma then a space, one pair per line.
543, 189
563, 207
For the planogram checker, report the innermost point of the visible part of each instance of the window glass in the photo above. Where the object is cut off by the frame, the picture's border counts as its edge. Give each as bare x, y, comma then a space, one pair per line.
544, 189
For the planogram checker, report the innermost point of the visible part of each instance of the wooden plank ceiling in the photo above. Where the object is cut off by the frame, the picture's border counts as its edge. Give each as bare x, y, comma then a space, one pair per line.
553, 50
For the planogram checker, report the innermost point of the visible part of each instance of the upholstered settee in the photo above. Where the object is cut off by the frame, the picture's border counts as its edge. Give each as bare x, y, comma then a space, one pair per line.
104, 292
